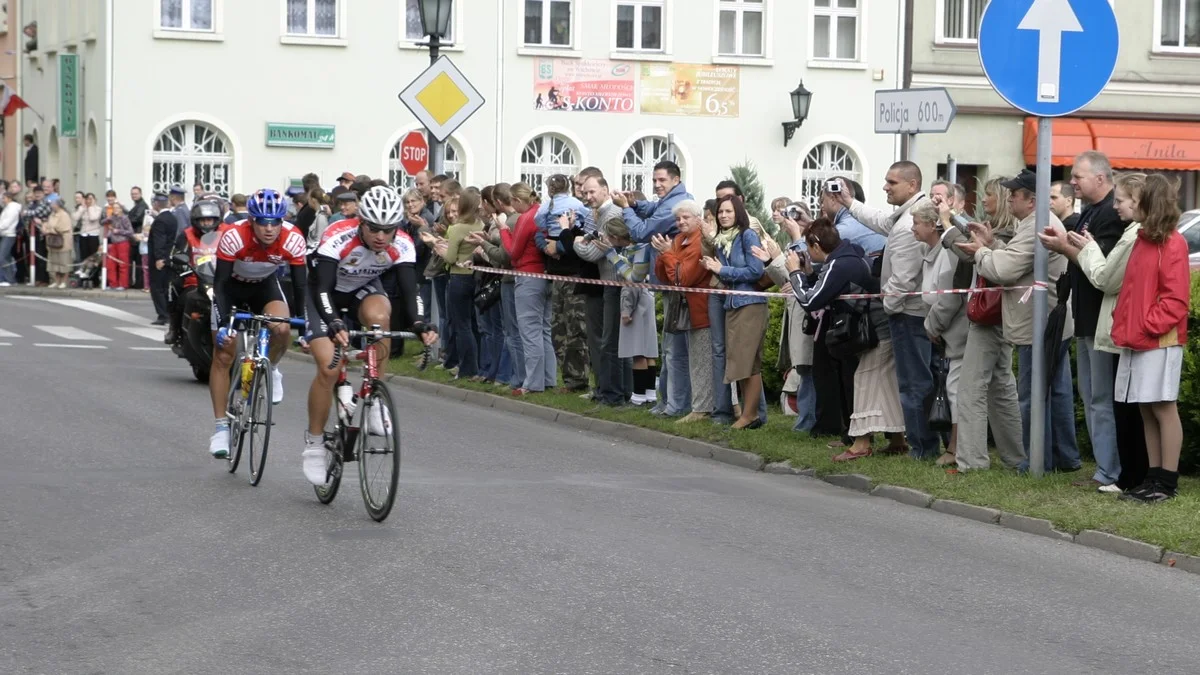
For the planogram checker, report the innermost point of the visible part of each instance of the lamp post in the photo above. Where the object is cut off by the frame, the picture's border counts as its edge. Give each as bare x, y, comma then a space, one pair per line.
801, 100
435, 21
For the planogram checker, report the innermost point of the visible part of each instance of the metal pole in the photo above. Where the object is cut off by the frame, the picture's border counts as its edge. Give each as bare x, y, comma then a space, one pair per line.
436, 151
1037, 411
671, 147
951, 169
912, 148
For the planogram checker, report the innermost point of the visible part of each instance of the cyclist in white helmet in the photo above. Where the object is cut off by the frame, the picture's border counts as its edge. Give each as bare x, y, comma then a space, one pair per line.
358, 264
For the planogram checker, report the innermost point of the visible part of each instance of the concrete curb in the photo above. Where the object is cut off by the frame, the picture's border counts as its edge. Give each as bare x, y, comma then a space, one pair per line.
1111, 543
75, 293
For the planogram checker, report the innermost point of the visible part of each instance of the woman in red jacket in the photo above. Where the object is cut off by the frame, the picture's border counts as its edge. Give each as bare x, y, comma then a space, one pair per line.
1150, 322
530, 295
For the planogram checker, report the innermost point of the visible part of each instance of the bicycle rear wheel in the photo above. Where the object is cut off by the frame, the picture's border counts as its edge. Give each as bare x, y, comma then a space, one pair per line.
258, 424
379, 452
234, 410
333, 447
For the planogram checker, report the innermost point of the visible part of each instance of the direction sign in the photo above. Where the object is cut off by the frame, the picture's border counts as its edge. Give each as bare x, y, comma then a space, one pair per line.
414, 153
913, 111
441, 98
1049, 57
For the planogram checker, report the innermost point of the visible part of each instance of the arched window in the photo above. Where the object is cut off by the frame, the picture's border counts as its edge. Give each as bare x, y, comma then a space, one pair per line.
452, 166
192, 152
637, 167
823, 162
545, 156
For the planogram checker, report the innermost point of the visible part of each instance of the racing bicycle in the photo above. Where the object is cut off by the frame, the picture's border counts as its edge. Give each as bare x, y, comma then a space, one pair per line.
362, 427
249, 403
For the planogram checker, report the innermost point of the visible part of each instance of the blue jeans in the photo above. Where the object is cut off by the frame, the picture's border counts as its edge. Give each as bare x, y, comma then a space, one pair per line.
533, 320
914, 354
722, 396
1096, 392
674, 379
610, 375
460, 305
8, 266
492, 342
1060, 450
806, 401
512, 337
445, 329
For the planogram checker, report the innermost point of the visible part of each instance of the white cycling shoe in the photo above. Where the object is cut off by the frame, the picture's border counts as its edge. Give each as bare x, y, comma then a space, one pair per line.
276, 386
379, 421
218, 445
315, 459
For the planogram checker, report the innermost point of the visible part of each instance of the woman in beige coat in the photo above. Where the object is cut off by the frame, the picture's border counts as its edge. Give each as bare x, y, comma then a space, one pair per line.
61, 256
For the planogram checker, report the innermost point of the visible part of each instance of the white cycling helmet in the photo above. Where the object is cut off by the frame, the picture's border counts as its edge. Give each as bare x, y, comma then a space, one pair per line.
382, 207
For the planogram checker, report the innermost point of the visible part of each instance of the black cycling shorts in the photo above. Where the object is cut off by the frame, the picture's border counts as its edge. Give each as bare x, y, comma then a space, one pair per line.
347, 302
249, 296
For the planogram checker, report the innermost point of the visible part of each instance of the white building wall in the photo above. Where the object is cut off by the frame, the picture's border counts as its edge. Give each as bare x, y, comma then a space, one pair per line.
243, 74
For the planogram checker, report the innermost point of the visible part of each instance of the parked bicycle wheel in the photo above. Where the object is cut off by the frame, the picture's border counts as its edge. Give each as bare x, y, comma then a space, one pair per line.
379, 452
334, 449
258, 419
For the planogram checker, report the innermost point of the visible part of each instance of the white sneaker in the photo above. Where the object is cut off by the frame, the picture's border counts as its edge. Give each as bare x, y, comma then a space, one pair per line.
1110, 489
218, 445
5, 284
379, 421
638, 399
315, 459
276, 386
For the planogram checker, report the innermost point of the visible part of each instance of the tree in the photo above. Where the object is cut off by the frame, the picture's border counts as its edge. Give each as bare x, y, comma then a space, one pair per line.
746, 176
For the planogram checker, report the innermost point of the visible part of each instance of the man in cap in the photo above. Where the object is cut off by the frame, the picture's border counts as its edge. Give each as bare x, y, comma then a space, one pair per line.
178, 201
294, 199
347, 202
1012, 266
344, 181
163, 232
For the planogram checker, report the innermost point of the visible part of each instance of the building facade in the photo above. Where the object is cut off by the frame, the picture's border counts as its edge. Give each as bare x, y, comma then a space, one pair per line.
1147, 118
239, 95
12, 43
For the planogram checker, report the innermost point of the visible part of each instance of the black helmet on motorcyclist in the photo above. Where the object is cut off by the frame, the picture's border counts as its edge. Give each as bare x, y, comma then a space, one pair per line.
206, 215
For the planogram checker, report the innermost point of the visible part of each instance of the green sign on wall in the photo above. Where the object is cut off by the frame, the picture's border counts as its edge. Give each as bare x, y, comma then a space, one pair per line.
68, 96
300, 135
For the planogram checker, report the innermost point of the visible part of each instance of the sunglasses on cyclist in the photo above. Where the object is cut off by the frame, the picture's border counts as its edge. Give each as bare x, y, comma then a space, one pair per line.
377, 229
268, 222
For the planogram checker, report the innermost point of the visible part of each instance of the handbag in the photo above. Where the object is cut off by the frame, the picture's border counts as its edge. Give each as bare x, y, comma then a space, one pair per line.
54, 240
985, 309
677, 318
487, 292
851, 332
940, 419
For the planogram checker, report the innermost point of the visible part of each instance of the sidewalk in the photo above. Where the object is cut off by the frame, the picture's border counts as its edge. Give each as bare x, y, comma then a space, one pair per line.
92, 293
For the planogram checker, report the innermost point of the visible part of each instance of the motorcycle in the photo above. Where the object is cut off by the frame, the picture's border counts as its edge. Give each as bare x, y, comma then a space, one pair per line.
195, 342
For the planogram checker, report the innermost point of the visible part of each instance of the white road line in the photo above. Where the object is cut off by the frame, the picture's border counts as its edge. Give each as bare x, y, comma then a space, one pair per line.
89, 306
68, 346
72, 333
5, 344
147, 332
7, 334
151, 349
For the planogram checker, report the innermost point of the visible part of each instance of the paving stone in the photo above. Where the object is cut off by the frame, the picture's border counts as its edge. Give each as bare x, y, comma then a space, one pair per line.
854, 481
1033, 526
1120, 545
980, 513
746, 460
786, 468
903, 495
1182, 561
690, 447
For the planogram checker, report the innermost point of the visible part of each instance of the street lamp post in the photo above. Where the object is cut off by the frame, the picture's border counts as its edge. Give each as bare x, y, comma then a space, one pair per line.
435, 21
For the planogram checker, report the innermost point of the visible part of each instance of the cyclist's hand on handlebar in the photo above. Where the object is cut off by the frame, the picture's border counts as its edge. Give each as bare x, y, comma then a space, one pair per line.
337, 332
225, 335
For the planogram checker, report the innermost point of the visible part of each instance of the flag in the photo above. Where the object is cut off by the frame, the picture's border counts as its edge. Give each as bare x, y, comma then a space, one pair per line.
10, 103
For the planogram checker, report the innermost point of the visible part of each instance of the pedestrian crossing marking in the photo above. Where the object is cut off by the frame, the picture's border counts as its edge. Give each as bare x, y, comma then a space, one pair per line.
8, 334
93, 307
67, 346
72, 333
151, 349
147, 332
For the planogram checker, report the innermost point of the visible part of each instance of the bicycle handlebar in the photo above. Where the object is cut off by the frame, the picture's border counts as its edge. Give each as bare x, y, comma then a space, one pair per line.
246, 316
373, 336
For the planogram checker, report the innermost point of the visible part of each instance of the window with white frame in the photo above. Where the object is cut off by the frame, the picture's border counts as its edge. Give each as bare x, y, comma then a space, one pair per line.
640, 25
637, 166
825, 161
835, 29
741, 27
313, 18
194, 15
1179, 24
452, 165
548, 23
192, 152
414, 31
958, 20
545, 156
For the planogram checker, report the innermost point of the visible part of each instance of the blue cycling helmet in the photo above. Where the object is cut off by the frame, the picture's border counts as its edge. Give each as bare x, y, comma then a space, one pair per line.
267, 205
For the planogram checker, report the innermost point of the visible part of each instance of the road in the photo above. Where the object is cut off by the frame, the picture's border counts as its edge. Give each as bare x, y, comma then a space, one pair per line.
516, 547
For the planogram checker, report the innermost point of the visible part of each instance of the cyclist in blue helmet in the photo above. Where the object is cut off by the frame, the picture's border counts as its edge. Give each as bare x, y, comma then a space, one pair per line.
248, 254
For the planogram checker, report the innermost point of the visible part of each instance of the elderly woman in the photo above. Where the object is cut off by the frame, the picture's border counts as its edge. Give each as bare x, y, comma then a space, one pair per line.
946, 322
61, 256
745, 315
639, 334
845, 270
987, 391
679, 265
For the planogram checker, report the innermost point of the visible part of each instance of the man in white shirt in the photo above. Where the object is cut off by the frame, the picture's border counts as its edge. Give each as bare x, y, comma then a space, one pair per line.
10, 220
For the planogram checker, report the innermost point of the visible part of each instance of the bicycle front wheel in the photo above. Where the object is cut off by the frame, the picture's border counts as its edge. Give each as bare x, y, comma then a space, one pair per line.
333, 448
258, 425
379, 452
234, 410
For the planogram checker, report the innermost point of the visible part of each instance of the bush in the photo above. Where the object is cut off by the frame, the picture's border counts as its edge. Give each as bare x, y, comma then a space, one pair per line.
772, 378
1189, 387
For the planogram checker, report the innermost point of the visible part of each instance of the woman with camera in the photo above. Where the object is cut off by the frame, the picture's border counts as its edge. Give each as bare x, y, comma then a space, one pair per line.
845, 270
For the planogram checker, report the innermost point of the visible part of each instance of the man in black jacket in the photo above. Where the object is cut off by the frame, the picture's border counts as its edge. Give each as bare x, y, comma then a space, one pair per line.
163, 232
1092, 179
137, 218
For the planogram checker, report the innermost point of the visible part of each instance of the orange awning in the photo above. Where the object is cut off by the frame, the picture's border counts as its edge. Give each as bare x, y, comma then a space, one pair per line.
1129, 144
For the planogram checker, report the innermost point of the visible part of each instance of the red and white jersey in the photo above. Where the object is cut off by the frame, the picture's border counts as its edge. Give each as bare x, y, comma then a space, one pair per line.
358, 264
254, 262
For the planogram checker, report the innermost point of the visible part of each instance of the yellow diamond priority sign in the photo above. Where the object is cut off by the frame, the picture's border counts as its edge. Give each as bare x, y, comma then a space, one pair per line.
441, 98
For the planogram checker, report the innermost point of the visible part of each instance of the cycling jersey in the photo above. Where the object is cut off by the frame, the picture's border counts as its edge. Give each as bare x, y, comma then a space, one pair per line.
246, 270
356, 263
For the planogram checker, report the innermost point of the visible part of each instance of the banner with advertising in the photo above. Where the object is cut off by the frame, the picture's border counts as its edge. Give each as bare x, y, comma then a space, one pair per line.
690, 89
586, 85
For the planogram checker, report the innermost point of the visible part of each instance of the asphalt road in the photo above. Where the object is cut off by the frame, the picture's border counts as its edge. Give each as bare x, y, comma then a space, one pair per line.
516, 547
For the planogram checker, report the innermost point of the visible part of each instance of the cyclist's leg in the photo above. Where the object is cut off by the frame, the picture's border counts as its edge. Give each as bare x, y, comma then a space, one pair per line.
276, 305
376, 309
218, 375
320, 394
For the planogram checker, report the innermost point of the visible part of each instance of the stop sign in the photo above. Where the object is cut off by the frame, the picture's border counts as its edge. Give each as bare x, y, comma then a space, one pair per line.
414, 153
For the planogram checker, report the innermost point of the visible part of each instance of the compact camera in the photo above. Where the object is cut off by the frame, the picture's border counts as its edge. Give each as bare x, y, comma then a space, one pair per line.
793, 212
833, 187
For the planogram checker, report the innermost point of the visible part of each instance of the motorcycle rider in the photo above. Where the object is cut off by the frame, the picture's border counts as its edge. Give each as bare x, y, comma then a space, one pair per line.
205, 217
